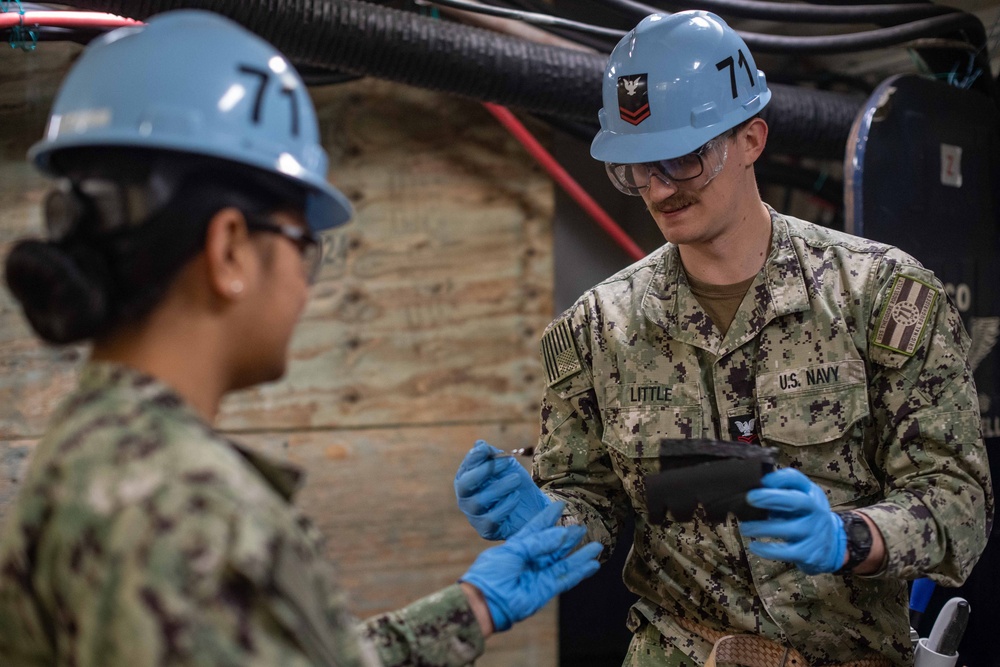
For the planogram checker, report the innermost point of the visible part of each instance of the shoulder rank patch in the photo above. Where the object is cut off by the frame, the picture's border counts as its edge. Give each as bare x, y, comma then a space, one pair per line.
904, 315
559, 353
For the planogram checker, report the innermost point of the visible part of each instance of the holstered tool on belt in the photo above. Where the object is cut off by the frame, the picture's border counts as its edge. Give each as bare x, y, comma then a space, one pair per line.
715, 474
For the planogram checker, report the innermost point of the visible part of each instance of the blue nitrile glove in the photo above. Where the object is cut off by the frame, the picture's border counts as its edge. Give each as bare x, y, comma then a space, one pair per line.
496, 494
518, 577
813, 537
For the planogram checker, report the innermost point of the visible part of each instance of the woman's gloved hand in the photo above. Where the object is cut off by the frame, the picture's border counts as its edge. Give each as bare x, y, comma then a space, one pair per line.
496, 494
811, 535
518, 577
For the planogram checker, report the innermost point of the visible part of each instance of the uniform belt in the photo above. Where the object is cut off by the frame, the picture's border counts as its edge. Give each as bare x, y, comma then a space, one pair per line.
757, 651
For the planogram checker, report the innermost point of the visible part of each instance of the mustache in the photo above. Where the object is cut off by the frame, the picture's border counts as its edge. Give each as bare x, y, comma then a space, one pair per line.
676, 201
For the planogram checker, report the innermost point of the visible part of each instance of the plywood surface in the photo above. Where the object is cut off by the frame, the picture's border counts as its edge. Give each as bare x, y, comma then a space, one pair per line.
430, 303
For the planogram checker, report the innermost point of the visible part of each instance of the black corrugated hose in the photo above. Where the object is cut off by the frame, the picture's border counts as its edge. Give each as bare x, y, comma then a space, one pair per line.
366, 39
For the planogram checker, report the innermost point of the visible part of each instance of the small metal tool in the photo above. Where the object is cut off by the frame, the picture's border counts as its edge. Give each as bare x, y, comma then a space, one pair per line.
520, 451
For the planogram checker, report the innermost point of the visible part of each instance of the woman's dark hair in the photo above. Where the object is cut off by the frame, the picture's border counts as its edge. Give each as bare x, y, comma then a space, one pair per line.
92, 281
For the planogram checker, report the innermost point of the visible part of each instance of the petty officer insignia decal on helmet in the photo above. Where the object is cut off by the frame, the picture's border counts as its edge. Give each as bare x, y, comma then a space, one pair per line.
633, 98
676, 81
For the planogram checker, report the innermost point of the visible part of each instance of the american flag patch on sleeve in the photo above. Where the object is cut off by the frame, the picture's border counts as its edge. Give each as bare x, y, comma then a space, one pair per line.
904, 315
559, 353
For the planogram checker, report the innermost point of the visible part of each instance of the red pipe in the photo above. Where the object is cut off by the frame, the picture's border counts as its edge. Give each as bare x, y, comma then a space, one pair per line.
562, 177
64, 20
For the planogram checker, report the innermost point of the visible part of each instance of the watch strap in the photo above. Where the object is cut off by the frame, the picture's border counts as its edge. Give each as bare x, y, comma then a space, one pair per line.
859, 540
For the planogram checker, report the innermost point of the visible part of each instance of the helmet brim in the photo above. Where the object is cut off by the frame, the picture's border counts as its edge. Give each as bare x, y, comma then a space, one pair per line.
633, 148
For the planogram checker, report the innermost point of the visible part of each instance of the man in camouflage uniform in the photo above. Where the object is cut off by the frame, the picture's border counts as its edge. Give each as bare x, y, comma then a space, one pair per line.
751, 326
182, 244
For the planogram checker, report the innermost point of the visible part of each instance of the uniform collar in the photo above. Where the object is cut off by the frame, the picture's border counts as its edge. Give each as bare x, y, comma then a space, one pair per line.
137, 388
779, 289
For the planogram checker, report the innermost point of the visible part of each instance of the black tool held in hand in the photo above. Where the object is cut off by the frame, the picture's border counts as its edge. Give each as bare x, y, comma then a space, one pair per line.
713, 473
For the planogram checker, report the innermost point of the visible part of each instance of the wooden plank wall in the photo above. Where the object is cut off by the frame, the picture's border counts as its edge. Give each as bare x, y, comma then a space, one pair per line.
420, 336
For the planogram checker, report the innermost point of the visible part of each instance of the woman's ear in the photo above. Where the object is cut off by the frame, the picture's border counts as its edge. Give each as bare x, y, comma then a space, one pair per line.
229, 256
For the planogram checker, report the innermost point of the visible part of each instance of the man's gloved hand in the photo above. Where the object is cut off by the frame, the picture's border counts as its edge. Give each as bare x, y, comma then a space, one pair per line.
518, 577
496, 494
813, 536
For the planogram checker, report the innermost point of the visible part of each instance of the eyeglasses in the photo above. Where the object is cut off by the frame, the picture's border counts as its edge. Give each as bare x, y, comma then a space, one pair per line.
310, 245
693, 171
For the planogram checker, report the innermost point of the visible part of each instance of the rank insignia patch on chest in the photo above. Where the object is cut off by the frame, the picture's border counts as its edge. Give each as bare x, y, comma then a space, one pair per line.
743, 429
904, 315
633, 98
559, 353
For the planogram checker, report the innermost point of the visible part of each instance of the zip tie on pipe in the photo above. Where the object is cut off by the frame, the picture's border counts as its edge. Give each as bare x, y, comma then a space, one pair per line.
563, 178
18, 31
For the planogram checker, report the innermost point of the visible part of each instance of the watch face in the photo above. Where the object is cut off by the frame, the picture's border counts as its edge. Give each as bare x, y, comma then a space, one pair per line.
858, 532
859, 537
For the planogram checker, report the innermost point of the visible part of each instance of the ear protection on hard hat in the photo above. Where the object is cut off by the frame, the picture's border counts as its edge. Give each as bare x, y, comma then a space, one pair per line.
672, 84
194, 83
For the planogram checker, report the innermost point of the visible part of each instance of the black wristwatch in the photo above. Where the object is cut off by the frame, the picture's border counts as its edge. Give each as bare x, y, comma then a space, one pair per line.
859, 540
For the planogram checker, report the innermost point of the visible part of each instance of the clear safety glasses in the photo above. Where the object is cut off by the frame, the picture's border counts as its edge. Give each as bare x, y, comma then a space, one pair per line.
310, 245
693, 171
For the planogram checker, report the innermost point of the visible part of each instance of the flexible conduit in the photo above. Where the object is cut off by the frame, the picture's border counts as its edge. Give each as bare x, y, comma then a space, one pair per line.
367, 39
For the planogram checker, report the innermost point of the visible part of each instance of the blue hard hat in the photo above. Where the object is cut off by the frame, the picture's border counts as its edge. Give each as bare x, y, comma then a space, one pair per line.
673, 83
196, 83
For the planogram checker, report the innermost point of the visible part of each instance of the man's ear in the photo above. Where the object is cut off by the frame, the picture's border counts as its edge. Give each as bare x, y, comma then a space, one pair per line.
754, 136
229, 256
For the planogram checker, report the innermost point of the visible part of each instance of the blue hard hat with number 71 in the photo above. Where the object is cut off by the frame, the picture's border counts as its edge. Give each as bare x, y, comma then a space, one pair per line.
197, 83
673, 83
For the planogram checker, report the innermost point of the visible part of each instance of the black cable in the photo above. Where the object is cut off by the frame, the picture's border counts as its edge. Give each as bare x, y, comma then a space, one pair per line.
880, 14
578, 8
528, 17
870, 40
536, 6
868, 2
595, 42
599, 44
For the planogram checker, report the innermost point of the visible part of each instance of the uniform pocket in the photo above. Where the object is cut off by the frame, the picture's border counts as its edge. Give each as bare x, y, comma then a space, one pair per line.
637, 417
816, 416
812, 405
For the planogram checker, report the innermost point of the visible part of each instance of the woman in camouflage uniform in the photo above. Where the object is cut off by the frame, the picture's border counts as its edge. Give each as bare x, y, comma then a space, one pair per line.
182, 241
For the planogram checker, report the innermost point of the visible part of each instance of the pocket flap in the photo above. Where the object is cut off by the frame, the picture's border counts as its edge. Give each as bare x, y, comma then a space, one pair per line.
812, 404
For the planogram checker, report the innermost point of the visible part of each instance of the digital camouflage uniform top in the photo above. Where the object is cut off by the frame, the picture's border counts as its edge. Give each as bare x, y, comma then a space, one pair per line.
141, 537
805, 368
